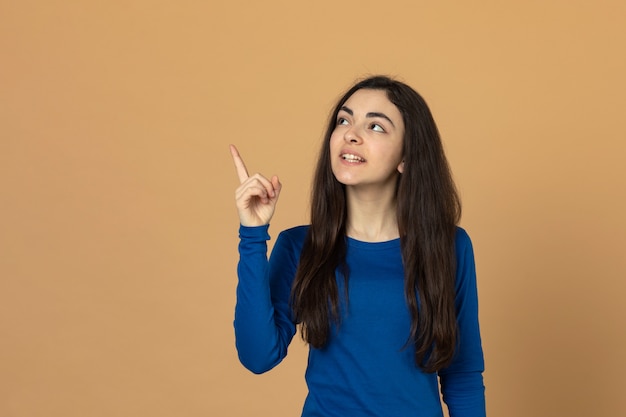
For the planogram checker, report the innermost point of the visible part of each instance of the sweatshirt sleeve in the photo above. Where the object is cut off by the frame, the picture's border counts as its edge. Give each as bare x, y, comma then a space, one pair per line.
462, 382
263, 325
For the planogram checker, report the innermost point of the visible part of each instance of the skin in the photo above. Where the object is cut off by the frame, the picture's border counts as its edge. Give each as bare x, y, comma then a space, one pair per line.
366, 156
256, 196
369, 126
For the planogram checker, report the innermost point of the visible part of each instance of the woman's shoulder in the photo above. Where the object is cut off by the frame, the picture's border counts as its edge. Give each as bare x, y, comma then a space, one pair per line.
462, 238
294, 234
296, 231
461, 233
291, 240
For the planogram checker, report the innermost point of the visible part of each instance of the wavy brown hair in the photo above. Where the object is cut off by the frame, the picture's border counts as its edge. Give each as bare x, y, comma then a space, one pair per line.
428, 210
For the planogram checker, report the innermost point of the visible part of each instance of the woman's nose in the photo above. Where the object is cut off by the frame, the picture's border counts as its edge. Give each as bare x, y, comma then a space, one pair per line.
352, 136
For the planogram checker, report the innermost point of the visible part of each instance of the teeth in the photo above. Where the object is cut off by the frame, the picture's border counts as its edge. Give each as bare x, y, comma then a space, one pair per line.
350, 157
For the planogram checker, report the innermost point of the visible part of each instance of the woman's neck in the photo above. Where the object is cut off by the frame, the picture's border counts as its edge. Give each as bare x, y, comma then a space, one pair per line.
371, 216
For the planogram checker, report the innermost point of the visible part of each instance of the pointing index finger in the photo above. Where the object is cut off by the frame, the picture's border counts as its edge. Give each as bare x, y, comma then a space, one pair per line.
242, 172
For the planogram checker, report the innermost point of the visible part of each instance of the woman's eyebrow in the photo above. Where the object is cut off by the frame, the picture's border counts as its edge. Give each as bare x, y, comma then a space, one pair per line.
347, 110
370, 114
383, 115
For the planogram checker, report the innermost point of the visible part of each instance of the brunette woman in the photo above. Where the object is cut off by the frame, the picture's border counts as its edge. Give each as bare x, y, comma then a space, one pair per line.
382, 283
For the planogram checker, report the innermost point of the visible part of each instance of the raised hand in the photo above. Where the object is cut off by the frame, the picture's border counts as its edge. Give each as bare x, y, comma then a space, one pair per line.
256, 197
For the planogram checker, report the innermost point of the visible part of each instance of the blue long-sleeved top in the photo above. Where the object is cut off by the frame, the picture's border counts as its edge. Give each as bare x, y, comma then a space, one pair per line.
366, 368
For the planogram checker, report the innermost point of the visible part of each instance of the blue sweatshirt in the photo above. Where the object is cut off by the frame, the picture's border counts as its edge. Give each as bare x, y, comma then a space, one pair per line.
366, 368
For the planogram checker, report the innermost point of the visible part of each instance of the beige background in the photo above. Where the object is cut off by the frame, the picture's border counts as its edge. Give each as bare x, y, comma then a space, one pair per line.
118, 233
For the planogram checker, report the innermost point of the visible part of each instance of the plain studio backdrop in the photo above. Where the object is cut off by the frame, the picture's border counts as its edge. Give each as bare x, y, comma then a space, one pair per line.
118, 231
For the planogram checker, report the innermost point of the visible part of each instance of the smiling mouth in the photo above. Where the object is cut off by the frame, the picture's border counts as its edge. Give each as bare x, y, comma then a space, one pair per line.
352, 158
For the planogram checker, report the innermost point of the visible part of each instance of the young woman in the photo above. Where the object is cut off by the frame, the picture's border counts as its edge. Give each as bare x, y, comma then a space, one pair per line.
382, 282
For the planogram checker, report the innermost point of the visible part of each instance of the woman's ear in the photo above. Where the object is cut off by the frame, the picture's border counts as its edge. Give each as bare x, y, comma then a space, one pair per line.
401, 167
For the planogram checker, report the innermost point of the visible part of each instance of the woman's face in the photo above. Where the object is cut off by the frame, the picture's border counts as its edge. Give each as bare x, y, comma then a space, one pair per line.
366, 145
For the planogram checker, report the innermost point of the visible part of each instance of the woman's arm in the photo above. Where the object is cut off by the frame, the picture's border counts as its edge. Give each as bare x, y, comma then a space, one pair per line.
263, 328
462, 382
263, 325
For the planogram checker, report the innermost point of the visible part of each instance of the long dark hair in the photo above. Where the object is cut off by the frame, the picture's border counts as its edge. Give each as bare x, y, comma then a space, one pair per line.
428, 209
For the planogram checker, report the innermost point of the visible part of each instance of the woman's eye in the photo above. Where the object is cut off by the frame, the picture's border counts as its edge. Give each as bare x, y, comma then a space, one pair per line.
377, 128
342, 121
